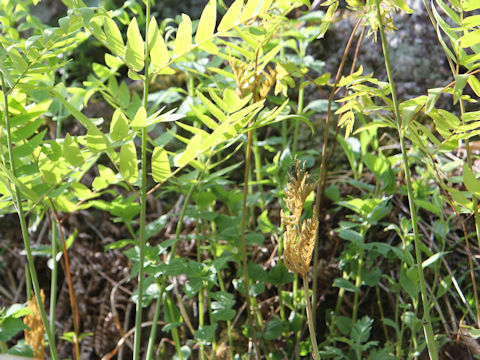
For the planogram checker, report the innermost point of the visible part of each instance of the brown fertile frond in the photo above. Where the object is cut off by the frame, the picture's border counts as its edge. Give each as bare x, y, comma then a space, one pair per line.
298, 189
290, 243
307, 243
34, 336
299, 236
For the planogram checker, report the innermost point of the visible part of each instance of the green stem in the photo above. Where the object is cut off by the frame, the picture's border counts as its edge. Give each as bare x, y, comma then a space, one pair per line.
153, 330
311, 327
176, 338
201, 293
24, 228
212, 322
53, 284
243, 249
301, 93
428, 329
358, 278
258, 169
143, 203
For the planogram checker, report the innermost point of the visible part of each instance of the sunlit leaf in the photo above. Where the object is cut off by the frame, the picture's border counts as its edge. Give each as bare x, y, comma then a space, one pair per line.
140, 119
183, 41
206, 25
160, 165
71, 151
135, 53
118, 126
114, 37
471, 182
158, 50
128, 162
230, 18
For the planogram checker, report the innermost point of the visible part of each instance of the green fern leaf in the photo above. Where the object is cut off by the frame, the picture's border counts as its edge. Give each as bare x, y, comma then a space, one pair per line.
135, 53
160, 165
183, 41
158, 50
230, 18
206, 25
249, 10
114, 37
128, 162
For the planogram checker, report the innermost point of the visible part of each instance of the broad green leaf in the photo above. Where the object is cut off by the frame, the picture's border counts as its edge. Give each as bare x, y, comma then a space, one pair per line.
206, 25
140, 119
265, 6
118, 126
211, 107
474, 84
106, 177
158, 50
128, 162
433, 95
190, 152
403, 5
204, 335
249, 10
49, 169
71, 151
183, 41
160, 165
470, 5
470, 39
460, 82
471, 182
96, 141
135, 53
114, 37
230, 18
17, 59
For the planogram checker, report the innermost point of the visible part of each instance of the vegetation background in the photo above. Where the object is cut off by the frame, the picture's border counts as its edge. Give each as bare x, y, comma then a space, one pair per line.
239, 179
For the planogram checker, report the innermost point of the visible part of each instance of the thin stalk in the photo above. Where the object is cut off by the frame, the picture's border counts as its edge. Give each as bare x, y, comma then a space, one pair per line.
428, 329
201, 293
53, 283
156, 314
24, 228
258, 169
71, 291
176, 338
382, 316
301, 94
311, 327
28, 282
143, 202
243, 249
358, 279
221, 283
323, 164
212, 322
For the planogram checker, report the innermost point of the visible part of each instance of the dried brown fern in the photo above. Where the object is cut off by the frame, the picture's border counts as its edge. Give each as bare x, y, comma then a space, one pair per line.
34, 335
300, 236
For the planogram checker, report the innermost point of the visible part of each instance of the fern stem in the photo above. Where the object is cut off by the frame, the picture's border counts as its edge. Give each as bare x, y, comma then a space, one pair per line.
428, 329
24, 228
301, 94
153, 330
143, 201
53, 281
311, 327
251, 321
